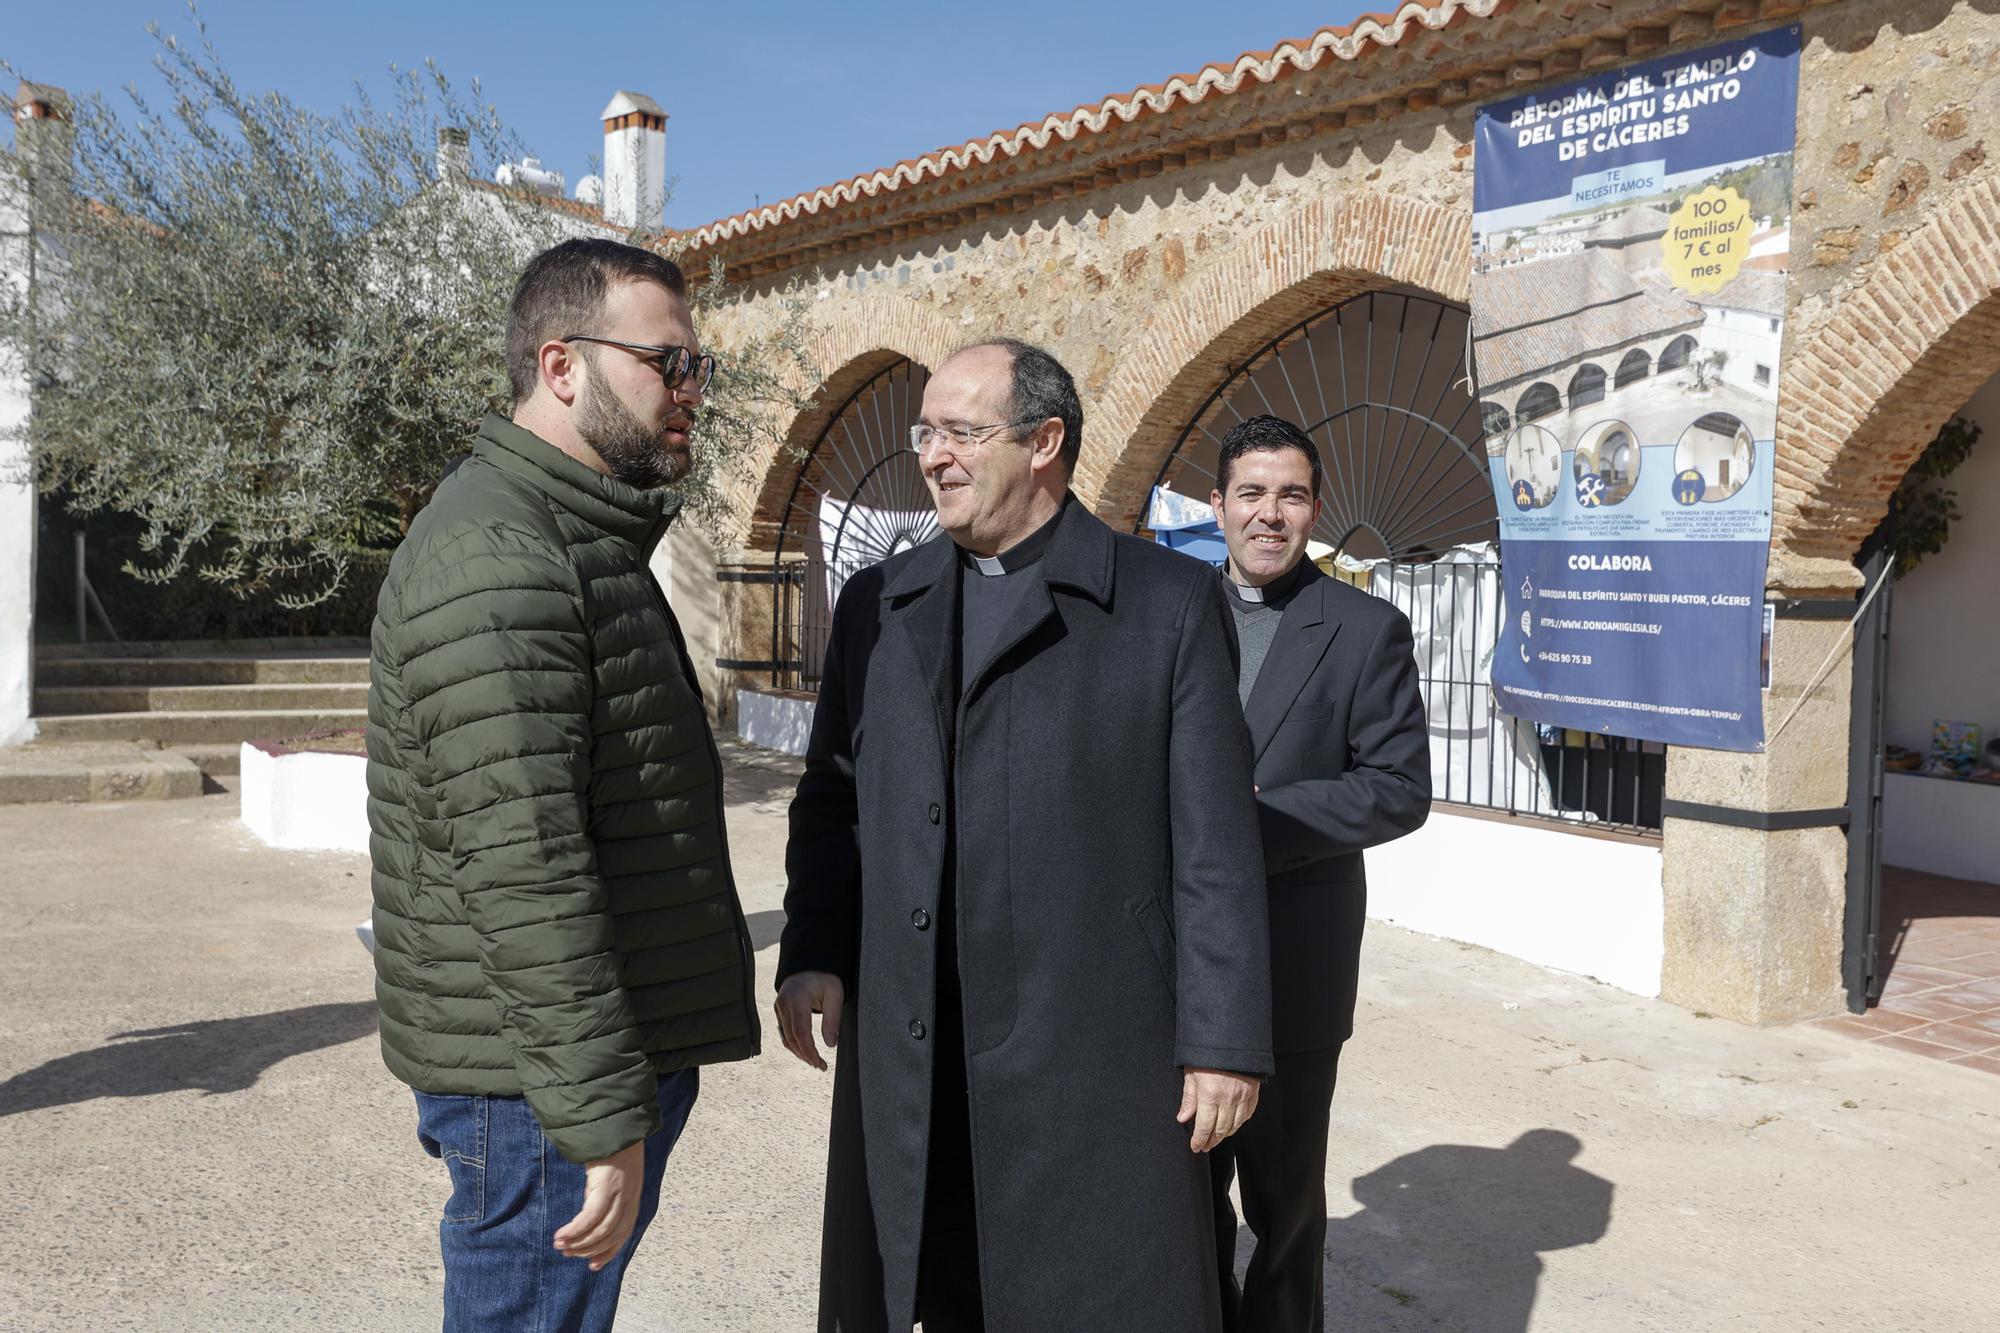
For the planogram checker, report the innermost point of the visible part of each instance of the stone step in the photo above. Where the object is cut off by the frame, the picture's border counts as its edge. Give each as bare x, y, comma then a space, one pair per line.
46, 770
298, 646
72, 699
204, 728
216, 761
223, 669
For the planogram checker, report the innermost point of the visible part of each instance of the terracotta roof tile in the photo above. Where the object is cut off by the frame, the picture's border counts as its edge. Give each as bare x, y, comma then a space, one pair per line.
1561, 311
1369, 32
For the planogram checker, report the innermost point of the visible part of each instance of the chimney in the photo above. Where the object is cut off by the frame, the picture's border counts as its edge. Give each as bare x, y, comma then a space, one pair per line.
44, 137
635, 162
454, 155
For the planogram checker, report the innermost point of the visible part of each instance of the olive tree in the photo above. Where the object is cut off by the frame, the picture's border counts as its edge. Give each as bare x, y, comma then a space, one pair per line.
263, 330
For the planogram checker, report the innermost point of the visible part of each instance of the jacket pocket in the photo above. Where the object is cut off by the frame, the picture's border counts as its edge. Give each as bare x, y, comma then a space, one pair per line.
1159, 935
455, 1128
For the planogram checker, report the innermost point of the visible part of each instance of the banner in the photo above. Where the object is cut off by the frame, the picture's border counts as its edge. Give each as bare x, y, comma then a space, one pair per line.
1631, 236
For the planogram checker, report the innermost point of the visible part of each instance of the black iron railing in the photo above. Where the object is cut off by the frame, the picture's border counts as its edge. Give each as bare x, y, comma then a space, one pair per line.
1480, 756
1485, 758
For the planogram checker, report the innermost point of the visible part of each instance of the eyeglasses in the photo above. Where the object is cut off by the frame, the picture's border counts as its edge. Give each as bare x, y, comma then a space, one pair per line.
677, 364
922, 437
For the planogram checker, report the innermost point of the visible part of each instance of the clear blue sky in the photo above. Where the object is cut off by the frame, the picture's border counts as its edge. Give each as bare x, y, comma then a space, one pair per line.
764, 99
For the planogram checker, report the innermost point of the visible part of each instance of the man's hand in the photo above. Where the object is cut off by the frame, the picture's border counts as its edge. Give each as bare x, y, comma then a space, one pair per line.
803, 995
1218, 1102
611, 1188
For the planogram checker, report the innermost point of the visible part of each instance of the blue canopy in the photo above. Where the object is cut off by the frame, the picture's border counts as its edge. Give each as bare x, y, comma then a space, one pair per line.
1187, 525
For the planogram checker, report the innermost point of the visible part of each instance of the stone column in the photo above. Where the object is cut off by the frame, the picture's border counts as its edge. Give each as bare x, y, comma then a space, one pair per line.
684, 563
1754, 917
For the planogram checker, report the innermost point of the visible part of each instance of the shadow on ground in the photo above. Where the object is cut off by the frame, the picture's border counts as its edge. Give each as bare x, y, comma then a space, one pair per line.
214, 1056
765, 928
1454, 1234
751, 775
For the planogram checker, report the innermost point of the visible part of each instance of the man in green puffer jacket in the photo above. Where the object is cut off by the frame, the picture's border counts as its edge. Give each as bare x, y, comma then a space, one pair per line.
559, 945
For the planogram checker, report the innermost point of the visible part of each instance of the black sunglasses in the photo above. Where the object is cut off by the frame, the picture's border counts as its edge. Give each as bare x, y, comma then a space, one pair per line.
677, 364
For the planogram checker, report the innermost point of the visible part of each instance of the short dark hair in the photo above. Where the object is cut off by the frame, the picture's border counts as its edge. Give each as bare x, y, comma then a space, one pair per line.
1043, 388
562, 291
1266, 433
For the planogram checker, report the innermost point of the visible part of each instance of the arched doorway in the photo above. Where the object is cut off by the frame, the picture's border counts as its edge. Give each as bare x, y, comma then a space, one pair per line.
1380, 384
1541, 400
1635, 367
858, 498
1677, 353
1586, 386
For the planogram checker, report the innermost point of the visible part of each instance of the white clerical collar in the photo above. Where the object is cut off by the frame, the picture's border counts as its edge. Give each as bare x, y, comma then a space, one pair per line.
1244, 593
988, 565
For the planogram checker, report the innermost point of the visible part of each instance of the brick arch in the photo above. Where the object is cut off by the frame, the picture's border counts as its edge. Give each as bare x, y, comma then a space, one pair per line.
1321, 254
852, 343
1900, 353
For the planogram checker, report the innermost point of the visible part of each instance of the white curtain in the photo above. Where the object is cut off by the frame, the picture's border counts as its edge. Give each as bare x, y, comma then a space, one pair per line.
870, 537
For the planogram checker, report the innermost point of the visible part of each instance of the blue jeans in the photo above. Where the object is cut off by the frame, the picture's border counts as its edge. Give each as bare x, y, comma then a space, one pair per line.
510, 1192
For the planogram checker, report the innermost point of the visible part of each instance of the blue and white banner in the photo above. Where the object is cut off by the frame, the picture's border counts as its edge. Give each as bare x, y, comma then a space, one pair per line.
1631, 238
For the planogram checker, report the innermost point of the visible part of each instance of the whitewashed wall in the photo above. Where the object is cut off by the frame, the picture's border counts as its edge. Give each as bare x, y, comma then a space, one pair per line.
1944, 663
1589, 905
17, 500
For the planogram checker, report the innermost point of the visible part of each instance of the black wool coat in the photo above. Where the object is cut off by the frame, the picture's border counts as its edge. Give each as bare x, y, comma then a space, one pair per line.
1110, 919
1343, 763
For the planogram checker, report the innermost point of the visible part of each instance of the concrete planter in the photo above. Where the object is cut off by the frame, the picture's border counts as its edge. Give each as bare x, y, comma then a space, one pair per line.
775, 719
303, 798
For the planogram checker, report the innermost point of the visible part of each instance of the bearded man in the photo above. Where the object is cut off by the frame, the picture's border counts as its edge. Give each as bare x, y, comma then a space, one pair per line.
559, 945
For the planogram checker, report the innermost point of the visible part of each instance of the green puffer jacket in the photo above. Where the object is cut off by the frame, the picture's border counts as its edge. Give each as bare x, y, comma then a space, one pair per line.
554, 911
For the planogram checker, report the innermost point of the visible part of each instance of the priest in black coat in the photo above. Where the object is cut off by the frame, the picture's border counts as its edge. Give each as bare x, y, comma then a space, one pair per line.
1342, 754
1026, 893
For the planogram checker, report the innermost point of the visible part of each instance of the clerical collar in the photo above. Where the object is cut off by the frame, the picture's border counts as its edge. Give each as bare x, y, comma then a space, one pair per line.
1021, 554
1274, 594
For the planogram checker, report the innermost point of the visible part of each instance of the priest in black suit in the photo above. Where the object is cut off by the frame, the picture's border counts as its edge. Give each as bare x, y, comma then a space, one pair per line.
1026, 898
1328, 683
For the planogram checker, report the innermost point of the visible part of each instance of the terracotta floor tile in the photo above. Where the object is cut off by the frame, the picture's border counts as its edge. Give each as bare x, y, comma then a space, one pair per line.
1984, 1062
1986, 1022
1930, 973
1985, 965
1956, 952
1975, 996
1926, 1007
1930, 1048
1901, 982
1958, 1036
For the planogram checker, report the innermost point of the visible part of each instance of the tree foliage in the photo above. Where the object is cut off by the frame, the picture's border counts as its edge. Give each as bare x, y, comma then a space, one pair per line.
263, 330
1922, 510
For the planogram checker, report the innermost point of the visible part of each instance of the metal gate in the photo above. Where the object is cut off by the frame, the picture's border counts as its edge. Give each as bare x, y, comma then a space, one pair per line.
1861, 955
1382, 385
859, 498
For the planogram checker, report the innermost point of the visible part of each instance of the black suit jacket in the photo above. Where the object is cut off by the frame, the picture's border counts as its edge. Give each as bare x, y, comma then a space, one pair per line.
1342, 764
1101, 834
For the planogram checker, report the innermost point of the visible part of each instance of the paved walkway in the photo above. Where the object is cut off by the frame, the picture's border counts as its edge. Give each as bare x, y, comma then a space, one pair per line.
196, 1131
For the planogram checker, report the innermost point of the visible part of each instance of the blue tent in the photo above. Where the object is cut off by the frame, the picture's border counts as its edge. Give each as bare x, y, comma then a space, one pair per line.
1187, 525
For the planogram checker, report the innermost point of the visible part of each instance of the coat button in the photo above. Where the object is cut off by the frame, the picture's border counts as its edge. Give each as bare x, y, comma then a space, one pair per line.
920, 919
937, 812
917, 1028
